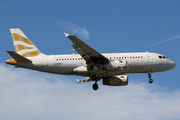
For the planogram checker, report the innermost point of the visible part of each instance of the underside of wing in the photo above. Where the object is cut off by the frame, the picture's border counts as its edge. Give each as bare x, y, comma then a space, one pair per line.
89, 54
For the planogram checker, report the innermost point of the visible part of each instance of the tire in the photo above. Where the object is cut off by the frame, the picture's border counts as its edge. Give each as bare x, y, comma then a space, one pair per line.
95, 86
93, 76
150, 80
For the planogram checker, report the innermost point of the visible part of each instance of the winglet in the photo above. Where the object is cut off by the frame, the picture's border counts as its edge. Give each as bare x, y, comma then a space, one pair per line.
66, 35
77, 81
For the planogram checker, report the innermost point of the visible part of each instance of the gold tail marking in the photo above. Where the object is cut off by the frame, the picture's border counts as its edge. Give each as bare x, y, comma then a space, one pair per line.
23, 45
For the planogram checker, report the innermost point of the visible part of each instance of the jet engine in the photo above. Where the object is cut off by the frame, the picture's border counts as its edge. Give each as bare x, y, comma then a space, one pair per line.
120, 80
81, 69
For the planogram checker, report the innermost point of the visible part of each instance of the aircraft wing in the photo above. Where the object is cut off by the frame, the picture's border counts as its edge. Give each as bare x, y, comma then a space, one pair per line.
89, 54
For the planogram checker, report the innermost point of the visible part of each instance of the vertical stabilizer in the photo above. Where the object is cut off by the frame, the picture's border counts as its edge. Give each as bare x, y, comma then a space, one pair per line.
23, 46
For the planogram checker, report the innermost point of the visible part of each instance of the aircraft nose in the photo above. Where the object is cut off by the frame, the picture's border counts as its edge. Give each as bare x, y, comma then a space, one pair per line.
172, 64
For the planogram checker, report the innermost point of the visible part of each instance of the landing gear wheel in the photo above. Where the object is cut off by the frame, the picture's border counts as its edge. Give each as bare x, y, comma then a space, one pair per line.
93, 76
150, 80
149, 75
95, 86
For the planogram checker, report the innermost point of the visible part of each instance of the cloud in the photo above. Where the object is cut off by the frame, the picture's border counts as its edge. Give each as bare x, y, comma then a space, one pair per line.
74, 29
172, 38
27, 95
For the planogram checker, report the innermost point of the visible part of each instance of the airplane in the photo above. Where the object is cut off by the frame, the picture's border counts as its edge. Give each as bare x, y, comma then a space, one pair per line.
110, 67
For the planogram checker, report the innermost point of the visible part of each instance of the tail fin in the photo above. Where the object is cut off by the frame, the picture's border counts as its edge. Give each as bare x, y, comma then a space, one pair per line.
23, 46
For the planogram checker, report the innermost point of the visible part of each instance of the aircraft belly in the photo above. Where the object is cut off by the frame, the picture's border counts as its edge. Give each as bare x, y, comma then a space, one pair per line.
103, 73
137, 66
61, 69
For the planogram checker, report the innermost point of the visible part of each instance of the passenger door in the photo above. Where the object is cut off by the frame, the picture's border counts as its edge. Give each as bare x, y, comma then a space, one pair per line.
149, 57
45, 66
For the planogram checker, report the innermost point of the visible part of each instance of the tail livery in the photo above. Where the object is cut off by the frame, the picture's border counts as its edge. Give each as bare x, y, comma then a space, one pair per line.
23, 47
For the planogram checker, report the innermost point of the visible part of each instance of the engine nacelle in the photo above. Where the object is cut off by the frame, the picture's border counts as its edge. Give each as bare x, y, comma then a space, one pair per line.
81, 69
120, 80
115, 65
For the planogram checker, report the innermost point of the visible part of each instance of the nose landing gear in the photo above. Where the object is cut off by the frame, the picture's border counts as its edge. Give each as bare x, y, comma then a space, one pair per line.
150, 80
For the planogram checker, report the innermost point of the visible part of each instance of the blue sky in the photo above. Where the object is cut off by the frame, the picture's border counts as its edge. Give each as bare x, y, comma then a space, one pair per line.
108, 27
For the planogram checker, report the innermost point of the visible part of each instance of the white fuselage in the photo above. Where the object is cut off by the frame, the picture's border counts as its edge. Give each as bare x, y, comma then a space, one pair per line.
142, 62
109, 67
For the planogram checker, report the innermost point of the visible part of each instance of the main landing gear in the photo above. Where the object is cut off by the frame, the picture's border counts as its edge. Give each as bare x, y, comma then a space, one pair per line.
150, 80
95, 86
94, 78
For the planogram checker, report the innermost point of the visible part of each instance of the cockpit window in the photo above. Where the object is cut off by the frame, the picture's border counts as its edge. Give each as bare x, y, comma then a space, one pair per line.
162, 57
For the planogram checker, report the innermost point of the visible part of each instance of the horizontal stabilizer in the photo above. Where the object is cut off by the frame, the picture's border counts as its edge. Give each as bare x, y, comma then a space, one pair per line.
17, 57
